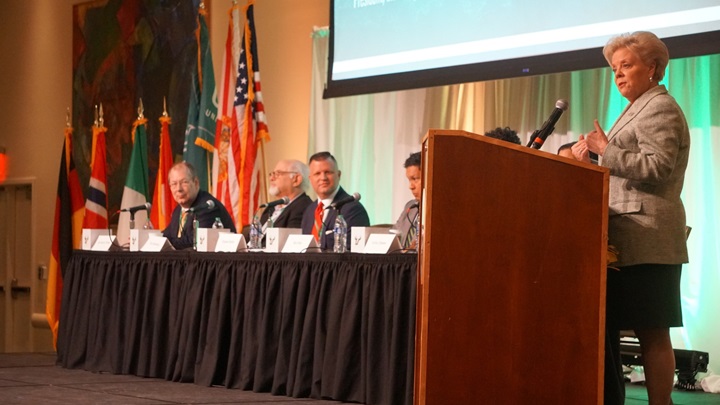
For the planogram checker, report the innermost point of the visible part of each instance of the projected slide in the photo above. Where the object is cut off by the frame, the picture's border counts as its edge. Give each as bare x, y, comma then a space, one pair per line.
375, 37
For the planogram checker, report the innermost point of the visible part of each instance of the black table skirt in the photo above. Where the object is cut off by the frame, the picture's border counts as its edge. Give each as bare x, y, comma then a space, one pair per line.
303, 325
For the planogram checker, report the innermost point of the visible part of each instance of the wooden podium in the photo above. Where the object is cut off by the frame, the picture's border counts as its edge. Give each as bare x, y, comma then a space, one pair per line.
511, 289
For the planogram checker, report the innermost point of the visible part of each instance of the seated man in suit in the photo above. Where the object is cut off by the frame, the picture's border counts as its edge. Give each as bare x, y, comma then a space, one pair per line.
325, 180
289, 179
193, 204
405, 225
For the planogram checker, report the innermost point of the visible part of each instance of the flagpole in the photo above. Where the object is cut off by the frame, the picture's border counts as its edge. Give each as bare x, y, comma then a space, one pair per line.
264, 169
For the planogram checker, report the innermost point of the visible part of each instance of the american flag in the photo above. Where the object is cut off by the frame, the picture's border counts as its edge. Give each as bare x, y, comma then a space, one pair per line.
251, 121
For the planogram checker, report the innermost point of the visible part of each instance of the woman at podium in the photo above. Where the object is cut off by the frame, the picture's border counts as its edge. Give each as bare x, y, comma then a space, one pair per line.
647, 153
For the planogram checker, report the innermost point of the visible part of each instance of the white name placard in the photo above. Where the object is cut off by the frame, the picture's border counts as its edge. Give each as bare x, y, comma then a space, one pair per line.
103, 243
360, 234
138, 237
156, 243
207, 238
89, 236
275, 238
230, 242
300, 244
381, 243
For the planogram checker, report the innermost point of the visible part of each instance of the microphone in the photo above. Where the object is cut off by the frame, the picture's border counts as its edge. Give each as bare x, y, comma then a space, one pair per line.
539, 136
338, 204
209, 205
133, 210
271, 204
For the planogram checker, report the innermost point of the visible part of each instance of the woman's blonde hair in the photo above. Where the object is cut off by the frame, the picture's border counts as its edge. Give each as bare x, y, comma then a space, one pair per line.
646, 45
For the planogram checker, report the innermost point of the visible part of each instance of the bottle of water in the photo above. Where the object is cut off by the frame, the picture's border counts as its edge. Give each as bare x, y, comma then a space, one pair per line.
196, 225
340, 233
255, 233
217, 224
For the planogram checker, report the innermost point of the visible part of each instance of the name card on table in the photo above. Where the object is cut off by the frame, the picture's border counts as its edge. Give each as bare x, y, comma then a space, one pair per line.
89, 236
156, 243
230, 242
382, 243
103, 243
300, 244
275, 238
138, 237
207, 238
359, 236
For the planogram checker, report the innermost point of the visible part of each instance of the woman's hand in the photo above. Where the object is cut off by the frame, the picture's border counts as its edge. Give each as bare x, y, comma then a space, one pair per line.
596, 140
580, 150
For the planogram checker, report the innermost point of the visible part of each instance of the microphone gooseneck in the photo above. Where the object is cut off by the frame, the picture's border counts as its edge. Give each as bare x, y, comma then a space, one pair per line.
209, 205
283, 200
133, 210
338, 204
539, 136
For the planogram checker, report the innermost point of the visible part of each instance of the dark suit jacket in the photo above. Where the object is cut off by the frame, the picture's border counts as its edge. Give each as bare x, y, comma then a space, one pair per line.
292, 214
205, 218
354, 214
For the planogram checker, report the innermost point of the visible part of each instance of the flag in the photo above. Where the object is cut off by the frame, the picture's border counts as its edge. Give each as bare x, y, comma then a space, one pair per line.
3, 165
252, 130
96, 202
202, 111
67, 231
224, 179
163, 203
136, 184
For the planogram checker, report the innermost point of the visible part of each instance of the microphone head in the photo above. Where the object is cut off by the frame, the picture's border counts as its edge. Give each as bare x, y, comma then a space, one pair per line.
285, 200
148, 206
210, 204
356, 196
562, 104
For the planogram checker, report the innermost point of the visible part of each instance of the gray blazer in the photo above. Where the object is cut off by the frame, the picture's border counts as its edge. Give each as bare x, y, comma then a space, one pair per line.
405, 220
647, 156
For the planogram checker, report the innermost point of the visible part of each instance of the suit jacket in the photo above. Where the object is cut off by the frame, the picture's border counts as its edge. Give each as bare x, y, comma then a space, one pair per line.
406, 218
647, 155
205, 218
354, 214
292, 214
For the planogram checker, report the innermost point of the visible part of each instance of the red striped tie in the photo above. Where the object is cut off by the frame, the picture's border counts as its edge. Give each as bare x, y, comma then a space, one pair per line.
318, 221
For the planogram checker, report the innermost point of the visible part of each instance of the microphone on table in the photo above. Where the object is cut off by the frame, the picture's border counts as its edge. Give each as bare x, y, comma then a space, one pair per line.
209, 205
338, 204
538, 137
133, 210
271, 204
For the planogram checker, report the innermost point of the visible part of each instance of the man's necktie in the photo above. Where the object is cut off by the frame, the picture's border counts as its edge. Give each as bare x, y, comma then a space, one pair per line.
317, 227
410, 237
183, 221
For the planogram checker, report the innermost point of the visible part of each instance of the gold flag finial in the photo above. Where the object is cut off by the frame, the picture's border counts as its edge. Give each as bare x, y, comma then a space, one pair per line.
141, 110
202, 5
101, 120
165, 114
67, 118
95, 122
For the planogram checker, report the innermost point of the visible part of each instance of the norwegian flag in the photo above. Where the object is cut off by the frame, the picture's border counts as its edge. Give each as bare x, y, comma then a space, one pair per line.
96, 203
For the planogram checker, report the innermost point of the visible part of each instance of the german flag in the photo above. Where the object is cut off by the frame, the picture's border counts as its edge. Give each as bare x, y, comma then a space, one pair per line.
69, 212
